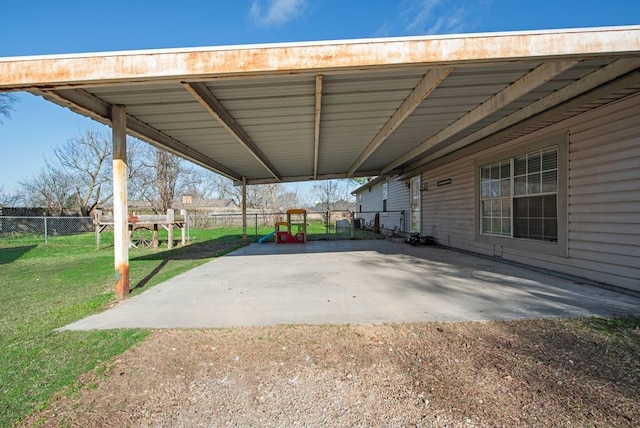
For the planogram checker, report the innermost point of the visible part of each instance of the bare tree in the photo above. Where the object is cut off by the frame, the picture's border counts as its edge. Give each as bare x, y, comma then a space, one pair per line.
79, 176
162, 177
4, 198
6, 104
9, 200
291, 198
86, 159
49, 188
262, 196
330, 193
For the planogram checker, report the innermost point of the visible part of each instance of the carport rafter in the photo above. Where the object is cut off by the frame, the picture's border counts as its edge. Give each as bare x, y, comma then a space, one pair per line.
89, 105
294, 179
525, 84
551, 105
423, 89
317, 116
201, 92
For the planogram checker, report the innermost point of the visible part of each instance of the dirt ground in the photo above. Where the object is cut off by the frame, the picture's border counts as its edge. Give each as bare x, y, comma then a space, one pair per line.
520, 373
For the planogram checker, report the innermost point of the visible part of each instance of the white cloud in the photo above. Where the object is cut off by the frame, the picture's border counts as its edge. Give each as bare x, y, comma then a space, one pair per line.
276, 12
440, 16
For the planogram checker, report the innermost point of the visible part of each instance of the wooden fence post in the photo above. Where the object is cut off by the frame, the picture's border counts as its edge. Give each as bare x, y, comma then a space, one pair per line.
183, 213
171, 218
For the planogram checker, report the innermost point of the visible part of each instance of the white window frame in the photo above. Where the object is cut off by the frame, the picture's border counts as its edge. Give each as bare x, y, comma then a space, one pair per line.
558, 247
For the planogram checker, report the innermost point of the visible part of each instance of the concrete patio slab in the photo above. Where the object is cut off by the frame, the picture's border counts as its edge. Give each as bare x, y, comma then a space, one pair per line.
369, 281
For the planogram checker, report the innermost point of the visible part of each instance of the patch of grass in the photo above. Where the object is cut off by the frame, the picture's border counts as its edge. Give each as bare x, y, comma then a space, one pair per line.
316, 231
44, 287
623, 329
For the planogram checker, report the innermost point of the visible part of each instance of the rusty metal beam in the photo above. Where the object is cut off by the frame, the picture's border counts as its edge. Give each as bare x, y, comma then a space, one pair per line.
316, 126
523, 116
120, 204
26, 73
87, 104
293, 179
538, 76
427, 84
218, 110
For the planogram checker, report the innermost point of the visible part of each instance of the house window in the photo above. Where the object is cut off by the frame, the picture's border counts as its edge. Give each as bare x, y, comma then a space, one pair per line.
385, 195
519, 196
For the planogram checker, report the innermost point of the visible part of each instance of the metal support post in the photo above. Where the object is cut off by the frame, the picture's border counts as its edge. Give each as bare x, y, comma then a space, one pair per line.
244, 211
183, 234
171, 219
353, 224
120, 209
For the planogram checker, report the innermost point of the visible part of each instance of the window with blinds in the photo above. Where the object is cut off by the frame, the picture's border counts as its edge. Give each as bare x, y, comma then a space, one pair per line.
518, 196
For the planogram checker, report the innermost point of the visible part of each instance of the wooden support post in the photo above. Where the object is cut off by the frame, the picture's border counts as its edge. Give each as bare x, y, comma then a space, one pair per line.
244, 211
171, 219
183, 234
120, 209
154, 236
96, 222
353, 224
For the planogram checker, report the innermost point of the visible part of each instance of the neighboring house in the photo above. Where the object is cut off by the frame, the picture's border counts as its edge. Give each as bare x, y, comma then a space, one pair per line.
204, 205
564, 197
389, 198
187, 202
340, 205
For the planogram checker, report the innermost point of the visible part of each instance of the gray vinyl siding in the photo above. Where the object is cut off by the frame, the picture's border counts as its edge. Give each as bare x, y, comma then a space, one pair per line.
448, 210
603, 195
398, 205
371, 202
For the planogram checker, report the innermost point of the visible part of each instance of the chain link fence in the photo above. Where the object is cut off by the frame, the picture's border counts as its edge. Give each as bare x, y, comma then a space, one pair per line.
320, 225
45, 227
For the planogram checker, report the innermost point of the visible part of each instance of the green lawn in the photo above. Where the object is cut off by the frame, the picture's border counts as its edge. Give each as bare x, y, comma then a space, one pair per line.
43, 287
46, 286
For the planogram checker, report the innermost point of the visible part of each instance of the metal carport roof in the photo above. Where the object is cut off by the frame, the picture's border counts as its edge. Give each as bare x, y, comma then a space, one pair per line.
304, 111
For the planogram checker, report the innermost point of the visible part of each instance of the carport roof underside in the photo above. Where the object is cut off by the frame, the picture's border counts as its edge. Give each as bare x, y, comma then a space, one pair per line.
304, 111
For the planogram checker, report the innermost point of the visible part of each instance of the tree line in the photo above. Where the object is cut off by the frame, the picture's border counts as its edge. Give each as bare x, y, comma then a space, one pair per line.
78, 178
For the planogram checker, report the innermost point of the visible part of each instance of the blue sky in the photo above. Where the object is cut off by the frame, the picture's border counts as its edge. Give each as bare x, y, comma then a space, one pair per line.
40, 27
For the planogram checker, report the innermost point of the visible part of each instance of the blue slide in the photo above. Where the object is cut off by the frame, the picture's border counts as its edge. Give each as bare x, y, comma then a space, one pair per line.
265, 237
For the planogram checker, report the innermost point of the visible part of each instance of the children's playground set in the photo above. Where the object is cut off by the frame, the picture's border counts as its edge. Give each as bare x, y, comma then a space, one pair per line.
292, 231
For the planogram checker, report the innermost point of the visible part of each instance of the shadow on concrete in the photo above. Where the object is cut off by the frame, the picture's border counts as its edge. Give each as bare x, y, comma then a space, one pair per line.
198, 250
518, 289
449, 275
336, 282
10, 255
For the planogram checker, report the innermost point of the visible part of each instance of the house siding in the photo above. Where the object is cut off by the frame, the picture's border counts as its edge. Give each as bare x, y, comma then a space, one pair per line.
448, 210
603, 195
369, 202
398, 206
